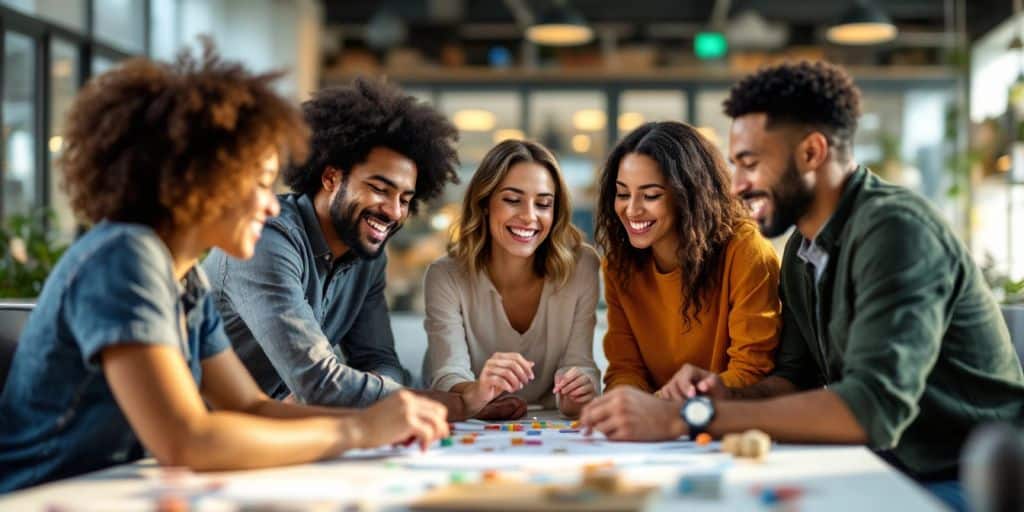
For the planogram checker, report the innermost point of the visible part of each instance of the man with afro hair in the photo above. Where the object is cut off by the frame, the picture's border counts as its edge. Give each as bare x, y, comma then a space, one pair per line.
890, 337
307, 314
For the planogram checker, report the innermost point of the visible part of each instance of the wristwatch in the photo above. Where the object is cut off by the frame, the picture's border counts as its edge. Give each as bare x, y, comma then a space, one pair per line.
697, 413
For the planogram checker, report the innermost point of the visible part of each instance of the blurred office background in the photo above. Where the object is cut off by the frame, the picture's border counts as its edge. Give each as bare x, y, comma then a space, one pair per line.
942, 81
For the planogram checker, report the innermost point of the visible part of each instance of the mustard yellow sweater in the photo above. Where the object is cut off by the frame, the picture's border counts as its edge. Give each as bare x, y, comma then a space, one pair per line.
734, 335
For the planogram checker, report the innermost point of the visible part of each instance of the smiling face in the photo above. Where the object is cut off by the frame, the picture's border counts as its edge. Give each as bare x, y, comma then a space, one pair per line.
643, 202
373, 202
767, 178
521, 210
238, 228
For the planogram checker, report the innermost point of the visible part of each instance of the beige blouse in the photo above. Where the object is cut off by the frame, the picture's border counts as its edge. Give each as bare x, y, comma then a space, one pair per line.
466, 324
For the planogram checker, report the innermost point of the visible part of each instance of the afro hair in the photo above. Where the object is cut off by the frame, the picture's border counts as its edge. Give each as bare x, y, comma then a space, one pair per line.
348, 122
817, 94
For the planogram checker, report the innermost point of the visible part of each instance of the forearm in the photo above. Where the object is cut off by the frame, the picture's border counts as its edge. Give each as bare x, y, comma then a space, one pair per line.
229, 441
270, 408
818, 416
772, 386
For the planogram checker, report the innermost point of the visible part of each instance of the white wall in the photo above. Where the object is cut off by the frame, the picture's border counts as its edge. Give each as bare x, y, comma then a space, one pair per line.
264, 34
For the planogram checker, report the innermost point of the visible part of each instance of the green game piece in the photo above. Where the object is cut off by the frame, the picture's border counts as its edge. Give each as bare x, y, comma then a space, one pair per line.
458, 478
447, 442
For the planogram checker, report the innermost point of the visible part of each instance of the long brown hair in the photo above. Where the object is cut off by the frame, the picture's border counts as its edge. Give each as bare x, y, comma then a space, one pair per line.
471, 239
706, 213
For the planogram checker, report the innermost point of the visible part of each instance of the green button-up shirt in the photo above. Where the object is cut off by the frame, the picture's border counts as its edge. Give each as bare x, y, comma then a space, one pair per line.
906, 331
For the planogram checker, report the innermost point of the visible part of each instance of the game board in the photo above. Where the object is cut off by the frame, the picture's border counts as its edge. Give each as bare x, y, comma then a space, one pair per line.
550, 445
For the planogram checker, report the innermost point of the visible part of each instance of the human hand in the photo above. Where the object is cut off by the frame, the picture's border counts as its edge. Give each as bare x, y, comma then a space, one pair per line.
504, 372
574, 387
629, 414
402, 418
690, 381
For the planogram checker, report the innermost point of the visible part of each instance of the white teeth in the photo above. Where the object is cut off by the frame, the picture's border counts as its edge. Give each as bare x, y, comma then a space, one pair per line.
256, 226
523, 233
377, 225
640, 226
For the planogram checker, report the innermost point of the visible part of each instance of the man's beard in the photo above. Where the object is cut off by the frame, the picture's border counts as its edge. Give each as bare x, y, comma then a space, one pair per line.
346, 217
790, 199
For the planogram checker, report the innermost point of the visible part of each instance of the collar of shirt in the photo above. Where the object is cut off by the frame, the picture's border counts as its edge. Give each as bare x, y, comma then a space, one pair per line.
193, 287
317, 240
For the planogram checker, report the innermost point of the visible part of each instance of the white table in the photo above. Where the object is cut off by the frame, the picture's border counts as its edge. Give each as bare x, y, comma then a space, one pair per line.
834, 479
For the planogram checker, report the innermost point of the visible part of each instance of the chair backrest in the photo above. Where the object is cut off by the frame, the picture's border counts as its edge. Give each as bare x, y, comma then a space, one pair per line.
12, 319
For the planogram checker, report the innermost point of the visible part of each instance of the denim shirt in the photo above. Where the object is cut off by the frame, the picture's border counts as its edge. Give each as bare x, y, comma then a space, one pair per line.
303, 323
58, 416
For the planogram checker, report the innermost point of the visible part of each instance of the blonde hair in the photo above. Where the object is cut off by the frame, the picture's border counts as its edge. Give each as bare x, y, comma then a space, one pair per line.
470, 246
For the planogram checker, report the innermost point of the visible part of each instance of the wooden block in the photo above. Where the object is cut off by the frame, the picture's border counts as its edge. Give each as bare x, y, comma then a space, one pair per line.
504, 494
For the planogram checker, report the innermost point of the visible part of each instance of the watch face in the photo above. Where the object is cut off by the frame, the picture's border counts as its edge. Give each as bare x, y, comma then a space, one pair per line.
698, 412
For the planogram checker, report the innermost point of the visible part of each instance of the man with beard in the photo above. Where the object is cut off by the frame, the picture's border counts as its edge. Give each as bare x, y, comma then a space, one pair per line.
890, 338
307, 314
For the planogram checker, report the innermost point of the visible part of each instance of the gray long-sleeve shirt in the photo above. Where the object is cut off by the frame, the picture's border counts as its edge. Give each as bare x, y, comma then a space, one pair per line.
303, 323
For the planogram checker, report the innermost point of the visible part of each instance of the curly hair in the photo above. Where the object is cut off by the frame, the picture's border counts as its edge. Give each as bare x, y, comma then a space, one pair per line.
816, 94
471, 239
348, 122
707, 215
170, 144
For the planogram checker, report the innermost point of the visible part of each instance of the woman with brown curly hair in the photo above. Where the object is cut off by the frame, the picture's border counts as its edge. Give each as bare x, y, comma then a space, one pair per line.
688, 278
125, 350
511, 309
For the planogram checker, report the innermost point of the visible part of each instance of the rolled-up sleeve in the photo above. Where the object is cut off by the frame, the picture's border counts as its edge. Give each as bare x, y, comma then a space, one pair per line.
901, 311
447, 361
268, 294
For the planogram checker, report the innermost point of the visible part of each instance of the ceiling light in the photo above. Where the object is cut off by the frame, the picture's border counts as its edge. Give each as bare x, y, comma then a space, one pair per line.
508, 133
474, 120
589, 120
629, 121
581, 143
560, 26
862, 24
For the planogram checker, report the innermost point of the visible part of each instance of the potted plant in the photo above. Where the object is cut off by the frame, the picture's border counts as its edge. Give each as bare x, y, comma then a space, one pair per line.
28, 251
1010, 294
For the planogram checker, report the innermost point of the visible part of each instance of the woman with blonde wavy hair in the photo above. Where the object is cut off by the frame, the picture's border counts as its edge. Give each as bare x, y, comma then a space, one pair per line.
511, 308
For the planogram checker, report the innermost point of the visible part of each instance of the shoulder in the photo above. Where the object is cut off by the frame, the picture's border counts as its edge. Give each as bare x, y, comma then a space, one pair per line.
588, 262
126, 249
446, 269
749, 244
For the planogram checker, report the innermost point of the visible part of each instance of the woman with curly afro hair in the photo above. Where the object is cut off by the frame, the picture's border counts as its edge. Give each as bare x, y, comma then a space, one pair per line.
125, 352
688, 278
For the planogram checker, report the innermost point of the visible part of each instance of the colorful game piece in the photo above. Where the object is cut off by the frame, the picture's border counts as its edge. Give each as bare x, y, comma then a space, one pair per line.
703, 439
574, 424
569, 431
753, 443
447, 441
517, 441
468, 439
491, 475
458, 478
533, 432
605, 480
703, 486
535, 424
533, 442
492, 426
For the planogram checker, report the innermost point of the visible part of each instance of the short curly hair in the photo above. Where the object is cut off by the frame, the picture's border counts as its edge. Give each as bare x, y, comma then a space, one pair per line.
812, 93
170, 144
348, 122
